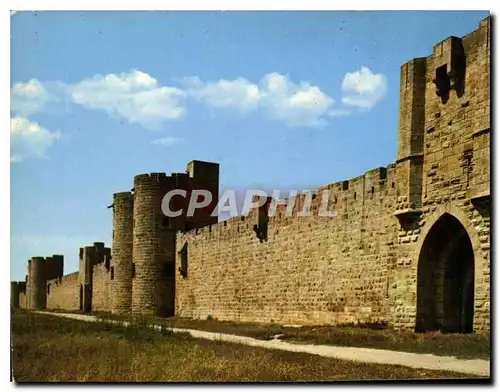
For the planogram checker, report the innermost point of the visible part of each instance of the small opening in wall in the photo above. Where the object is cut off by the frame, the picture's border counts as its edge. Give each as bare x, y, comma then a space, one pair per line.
355, 195
345, 185
48, 289
184, 261
442, 82
112, 273
383, 173
392, 185
373, 189
133, 270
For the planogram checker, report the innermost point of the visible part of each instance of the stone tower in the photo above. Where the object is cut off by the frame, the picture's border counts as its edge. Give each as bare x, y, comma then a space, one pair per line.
36, 283
153, 245
121, 270
411, 136
41, 269
16, 288
204, 175
88, 258
154, 234
443, 186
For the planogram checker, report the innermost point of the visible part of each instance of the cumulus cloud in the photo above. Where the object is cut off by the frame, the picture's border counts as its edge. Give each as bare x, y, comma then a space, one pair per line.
168, 141
363, 88
239, 93
30, 97
29, 140
135, 96
293, 104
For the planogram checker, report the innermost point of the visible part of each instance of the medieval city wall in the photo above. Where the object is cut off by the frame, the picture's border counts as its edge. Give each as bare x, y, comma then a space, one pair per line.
363, 264
101, 282
310, 270
63, 292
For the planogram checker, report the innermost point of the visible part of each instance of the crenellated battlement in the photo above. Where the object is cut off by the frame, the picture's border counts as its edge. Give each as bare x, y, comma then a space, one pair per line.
149, 178
373, 185
160, 179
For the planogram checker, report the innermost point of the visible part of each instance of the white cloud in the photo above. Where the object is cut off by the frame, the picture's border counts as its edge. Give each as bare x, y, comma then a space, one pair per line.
134, 96
239, 93
339, 113
28, 98
138, 98
29, 140
293, 104
168, 141
363, 88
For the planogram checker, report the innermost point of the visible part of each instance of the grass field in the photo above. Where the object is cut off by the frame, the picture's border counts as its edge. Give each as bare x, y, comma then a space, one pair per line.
46, 348
463, 346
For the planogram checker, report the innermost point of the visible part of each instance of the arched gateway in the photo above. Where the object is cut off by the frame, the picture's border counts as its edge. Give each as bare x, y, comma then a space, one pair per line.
445, 278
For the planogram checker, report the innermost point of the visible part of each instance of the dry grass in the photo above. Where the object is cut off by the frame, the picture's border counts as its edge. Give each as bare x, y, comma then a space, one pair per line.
47, 348
463, 346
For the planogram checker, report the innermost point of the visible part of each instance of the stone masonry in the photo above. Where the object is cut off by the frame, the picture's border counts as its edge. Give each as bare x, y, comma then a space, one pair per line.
123, 231
409, 245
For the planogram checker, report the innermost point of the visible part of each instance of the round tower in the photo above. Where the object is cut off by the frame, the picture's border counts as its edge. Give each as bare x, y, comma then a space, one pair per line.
123, 230
37, 294
153, 248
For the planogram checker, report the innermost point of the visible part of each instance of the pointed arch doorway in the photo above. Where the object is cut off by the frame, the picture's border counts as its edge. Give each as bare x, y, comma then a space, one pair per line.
445, 279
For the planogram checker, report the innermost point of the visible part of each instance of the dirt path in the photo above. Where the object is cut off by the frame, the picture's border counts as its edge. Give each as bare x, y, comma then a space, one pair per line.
478, 367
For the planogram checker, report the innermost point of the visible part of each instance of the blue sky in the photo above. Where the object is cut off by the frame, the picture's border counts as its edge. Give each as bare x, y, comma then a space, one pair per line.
279, 99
